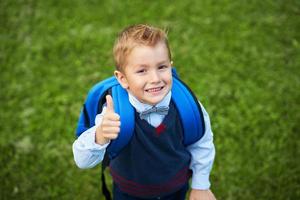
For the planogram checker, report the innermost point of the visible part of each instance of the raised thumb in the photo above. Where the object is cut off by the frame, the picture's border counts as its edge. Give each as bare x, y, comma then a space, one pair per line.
109, 104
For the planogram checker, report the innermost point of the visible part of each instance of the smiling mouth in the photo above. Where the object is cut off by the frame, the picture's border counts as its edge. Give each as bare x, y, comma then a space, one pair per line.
153, 90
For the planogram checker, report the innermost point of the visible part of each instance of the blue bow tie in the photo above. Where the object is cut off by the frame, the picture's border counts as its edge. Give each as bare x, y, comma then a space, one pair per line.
161, 110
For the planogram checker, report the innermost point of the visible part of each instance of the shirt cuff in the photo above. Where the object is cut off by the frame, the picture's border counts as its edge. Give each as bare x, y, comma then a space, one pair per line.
200, 181
87, 140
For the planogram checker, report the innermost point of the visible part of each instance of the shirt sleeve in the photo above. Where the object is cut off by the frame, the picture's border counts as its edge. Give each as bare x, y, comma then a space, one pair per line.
202, 156
87, 153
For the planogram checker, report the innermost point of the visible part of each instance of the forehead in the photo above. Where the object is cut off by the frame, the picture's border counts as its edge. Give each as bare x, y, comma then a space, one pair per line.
144, 54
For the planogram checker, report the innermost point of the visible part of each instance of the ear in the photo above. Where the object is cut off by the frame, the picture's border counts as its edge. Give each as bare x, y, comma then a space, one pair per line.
121, 79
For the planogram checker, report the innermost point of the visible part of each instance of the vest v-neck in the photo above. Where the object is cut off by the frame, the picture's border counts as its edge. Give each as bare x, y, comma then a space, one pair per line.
149, 128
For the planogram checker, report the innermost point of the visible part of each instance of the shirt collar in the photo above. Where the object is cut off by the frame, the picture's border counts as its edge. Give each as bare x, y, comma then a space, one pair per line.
140, 107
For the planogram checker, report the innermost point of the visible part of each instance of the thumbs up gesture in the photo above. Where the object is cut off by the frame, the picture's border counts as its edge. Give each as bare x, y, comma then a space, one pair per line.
110, 127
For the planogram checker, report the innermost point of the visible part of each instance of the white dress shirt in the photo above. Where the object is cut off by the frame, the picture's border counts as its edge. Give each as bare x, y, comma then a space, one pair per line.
87, 153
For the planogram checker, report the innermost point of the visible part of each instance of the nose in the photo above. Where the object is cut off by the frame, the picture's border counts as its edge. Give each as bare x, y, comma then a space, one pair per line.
154, 77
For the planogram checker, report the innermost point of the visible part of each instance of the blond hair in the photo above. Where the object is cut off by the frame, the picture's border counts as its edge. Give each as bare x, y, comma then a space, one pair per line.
134, 36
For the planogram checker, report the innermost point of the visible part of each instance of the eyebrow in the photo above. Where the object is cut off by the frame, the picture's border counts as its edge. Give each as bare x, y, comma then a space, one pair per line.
140, 65
162, 62
145, 65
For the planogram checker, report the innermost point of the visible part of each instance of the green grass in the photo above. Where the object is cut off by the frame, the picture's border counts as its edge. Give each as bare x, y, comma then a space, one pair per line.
242, 58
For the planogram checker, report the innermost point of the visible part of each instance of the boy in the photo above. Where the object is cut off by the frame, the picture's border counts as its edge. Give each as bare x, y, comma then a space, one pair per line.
152, 165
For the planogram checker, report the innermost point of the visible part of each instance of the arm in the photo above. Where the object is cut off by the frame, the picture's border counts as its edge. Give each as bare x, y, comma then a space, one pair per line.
89, 148
87, 153
203, 154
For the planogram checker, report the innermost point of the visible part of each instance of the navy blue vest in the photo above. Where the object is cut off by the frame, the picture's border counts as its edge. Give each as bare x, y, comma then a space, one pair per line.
155, 162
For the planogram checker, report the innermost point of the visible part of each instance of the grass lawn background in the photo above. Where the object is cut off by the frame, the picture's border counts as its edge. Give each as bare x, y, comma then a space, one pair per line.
240, 57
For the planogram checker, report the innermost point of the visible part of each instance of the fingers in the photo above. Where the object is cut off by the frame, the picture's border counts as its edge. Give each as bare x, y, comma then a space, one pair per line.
109, 104
111, 116
111, 123
110, 129
110, 136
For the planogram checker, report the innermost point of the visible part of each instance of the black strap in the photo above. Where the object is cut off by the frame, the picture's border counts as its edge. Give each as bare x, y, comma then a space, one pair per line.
105, 190
105, 161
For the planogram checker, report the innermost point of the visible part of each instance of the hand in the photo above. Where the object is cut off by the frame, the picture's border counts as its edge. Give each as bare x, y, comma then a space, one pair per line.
110, 126
201, 195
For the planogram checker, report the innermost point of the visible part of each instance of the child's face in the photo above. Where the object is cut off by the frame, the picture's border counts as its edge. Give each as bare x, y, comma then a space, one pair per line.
147, 74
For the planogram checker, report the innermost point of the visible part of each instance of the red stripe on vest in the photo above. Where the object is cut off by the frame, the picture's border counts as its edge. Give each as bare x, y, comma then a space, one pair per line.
136, 189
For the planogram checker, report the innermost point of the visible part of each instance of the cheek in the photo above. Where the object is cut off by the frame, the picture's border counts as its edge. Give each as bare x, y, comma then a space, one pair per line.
136, 84
168, 78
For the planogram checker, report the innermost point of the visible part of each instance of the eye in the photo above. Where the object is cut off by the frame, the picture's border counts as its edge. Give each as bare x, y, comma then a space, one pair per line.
141, 71
162, 67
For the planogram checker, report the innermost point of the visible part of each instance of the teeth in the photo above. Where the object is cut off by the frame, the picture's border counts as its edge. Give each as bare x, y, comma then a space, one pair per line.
154, 89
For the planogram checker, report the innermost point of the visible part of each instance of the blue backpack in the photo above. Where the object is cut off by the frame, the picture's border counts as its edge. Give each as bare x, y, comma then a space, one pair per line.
190, 112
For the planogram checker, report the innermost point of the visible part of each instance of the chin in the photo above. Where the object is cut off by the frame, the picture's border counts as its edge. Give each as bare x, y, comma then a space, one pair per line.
155, 100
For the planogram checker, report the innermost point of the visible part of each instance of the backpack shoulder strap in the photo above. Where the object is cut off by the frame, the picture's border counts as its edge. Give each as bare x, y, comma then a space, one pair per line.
191, 115
126, 112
